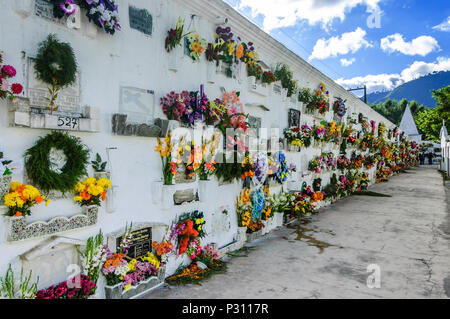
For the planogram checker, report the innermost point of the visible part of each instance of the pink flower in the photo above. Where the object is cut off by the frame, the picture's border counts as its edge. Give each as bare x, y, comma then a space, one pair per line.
71, 293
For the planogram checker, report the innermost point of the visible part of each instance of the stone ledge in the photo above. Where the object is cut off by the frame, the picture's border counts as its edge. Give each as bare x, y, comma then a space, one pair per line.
22, 115
19, 230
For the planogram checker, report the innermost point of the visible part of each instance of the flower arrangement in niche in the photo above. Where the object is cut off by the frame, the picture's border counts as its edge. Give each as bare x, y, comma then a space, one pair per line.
93, 257
268, 77
128, 273
21, 198
56, 65
79, 287
8, 91
283, 170
169, 168
175, 105
104, 14
207, 165
196, 46
91, 191
339, 107
191, 227
174, 36
284, 74
316, 165
255, 70
319, 100
244, 208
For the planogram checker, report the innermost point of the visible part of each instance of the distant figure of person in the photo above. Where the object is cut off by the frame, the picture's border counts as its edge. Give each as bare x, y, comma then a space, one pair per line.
430, 158
422, 158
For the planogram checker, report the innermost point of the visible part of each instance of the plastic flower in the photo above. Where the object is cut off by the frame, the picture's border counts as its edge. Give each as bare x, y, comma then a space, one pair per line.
68, 7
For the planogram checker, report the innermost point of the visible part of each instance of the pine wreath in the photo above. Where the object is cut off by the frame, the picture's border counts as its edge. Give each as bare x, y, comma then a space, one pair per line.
38, 163
55, 60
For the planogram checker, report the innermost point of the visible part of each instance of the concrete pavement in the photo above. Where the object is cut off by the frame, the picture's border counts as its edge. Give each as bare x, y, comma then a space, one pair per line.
406, 237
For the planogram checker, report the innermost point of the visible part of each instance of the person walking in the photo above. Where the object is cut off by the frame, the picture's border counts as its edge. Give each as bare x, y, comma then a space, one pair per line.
430, 158
422, 158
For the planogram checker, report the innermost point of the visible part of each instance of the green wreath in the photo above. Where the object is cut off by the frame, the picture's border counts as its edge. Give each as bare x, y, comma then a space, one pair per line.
38, 162
55, 60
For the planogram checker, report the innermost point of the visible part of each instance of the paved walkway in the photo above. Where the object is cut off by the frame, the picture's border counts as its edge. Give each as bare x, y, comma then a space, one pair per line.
406, 235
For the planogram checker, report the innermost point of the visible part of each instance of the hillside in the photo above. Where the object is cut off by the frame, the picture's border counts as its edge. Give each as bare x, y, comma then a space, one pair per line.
418, 90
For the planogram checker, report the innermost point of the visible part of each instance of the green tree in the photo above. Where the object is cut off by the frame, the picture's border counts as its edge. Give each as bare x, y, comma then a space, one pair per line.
430, 121
393, 110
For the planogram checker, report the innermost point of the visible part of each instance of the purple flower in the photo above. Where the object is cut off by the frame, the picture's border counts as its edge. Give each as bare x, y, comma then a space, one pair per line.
68, 7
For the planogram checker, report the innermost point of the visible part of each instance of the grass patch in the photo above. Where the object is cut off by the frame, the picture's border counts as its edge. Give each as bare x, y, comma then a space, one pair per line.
373, 194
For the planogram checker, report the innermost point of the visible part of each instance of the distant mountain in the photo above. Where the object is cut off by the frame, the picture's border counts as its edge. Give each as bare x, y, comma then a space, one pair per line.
418, 90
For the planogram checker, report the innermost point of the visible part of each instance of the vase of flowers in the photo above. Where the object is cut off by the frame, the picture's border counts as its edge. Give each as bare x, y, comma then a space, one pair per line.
91, 192
169, 167
21, 198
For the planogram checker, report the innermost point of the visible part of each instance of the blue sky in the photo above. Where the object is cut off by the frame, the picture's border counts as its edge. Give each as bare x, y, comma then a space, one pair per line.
410, 40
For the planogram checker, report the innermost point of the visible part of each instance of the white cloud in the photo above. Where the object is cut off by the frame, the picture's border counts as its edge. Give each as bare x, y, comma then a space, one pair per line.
382, 82
422, 45
285, 13
444, 26
347, 42
347, 62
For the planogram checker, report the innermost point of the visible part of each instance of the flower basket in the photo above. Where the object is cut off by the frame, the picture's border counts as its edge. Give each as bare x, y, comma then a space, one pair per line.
253, 236
5, 181
118, 292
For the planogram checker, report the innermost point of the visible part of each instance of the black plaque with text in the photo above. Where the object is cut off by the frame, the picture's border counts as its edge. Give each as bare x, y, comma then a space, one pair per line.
141, 243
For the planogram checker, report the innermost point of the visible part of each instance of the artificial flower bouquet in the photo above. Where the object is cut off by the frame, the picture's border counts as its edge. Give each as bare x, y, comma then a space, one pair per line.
196, 46
169, 167
244, 208
104, 14
316, 165
174, 36
339, 107
6, 90
91, 191
253, 227
79, 287
189, 227
21, 198
117, 270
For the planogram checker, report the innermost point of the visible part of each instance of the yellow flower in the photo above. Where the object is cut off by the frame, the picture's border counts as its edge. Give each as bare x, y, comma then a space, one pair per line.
104, 183
14, 185
89, 181
77, 198
127, 287
47, 202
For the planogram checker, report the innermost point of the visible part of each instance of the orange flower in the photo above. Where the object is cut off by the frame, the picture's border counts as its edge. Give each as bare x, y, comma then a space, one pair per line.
39, 199
104, 196
17, 214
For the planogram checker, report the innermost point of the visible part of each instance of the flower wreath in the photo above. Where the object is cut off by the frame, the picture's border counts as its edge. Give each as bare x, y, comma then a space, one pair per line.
38, 163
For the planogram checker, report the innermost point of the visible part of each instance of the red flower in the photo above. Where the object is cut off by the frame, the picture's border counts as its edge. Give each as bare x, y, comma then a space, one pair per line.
8, 69
16, 88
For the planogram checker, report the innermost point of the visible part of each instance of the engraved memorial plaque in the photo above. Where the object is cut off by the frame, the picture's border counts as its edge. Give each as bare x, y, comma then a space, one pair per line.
141, 20
141, 243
